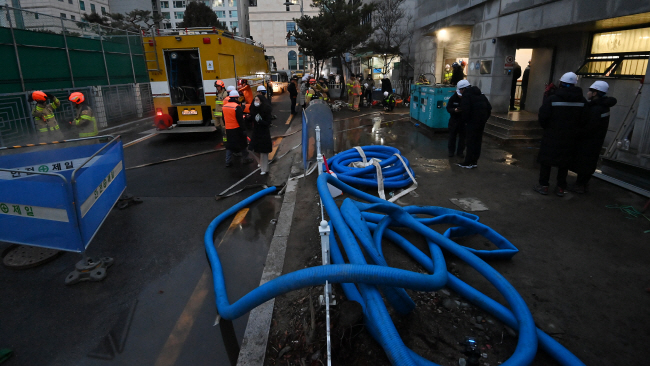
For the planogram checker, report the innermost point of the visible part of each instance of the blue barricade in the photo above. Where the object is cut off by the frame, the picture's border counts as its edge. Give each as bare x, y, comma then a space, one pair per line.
59, 198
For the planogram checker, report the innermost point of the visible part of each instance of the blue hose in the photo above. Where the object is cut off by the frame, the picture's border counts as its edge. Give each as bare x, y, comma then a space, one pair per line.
352, 222
393, 171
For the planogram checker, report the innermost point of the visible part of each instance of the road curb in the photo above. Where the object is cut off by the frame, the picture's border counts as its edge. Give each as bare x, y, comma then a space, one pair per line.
253, 347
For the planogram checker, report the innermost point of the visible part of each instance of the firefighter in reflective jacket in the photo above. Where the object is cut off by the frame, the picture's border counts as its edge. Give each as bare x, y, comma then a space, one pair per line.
349, 86
246, 92
311, 92
388, 101
222, 96
46, 126
233, 117
84, 119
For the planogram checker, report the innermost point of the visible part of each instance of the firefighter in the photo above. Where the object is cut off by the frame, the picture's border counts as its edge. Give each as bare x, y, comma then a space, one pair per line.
247, 93
233, 117
222, 95
85, 120
46, 126
422, 80
349, 86
356, 96
388, 102
311, 92
448, 73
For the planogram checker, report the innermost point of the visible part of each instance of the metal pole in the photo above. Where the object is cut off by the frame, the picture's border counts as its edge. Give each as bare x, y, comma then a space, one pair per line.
130, 56
67, 52
13, 37
101, 42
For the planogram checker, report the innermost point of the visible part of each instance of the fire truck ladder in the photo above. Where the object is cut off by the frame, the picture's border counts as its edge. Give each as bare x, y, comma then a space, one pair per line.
155, 53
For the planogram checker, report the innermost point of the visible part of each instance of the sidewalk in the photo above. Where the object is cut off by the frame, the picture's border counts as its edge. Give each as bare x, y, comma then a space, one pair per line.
582, 267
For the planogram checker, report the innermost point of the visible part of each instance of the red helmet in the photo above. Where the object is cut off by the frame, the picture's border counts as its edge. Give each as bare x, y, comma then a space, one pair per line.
219, 83
243, 82
39, 96
77, 98
312, 81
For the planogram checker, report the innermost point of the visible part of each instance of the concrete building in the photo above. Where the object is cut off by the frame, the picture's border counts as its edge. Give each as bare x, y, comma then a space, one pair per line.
598, 39
232, 12
270, 21
67, 9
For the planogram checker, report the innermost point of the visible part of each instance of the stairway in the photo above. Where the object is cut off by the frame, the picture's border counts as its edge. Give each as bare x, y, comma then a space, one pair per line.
514, 126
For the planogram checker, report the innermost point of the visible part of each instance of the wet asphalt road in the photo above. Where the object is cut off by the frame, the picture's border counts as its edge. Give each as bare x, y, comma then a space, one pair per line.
160, 276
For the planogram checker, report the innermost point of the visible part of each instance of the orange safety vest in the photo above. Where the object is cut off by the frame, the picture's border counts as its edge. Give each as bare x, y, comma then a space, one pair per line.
230, 115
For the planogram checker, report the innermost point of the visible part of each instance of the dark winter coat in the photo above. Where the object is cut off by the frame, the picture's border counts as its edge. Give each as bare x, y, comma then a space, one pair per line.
237, 140
592, 135
453, 103
293, 91
561, 116
386, 86
475, 107
261, 135
457, 75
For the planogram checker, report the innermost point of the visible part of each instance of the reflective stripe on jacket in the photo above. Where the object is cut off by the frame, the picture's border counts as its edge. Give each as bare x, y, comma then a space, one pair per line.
218, 108
85, 121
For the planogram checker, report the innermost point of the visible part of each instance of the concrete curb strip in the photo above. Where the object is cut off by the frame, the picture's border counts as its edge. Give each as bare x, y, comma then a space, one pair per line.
253, 347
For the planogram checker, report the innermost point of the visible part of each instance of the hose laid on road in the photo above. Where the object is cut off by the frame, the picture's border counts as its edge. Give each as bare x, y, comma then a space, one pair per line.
363, 279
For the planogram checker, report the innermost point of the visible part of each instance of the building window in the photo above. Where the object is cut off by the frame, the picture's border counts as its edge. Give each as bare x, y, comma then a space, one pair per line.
220, 13
179, 14
35, 15
63, 15
218, 3
179, 4
92, 8
291, 40
233, 13
234, 26
232, 3
618, 54
301, 61
164, 4
252, 2
165, 15
167, 25
70, 2
206, 3
103, 10
61, 0
73, 17
293, 60
82, 5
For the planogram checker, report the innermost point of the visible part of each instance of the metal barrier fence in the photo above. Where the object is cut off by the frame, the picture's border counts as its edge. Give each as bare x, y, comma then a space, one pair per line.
112, 105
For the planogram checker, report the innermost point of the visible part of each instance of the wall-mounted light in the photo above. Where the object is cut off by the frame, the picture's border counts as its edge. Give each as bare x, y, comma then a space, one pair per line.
443, 35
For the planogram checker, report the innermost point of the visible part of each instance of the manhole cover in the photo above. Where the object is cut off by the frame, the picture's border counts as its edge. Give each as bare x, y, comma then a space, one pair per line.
25, 256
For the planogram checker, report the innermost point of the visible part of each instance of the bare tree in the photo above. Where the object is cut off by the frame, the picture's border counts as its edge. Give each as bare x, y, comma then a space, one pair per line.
394, 29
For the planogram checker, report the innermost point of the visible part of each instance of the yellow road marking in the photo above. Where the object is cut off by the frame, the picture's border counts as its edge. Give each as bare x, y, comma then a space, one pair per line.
289, 119
276, 145
239, 217
174, 345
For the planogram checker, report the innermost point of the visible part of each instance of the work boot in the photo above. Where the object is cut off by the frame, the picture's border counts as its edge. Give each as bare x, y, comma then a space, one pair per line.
580, 189
541, 189
559, 191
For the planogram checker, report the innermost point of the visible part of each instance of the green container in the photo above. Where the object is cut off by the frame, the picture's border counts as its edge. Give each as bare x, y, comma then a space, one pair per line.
415, 102
435, 113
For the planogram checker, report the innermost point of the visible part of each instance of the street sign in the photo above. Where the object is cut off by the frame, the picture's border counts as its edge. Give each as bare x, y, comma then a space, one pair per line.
510, 62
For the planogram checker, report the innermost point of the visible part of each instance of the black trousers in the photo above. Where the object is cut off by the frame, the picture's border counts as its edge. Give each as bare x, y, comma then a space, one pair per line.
545, 175
293, 105
583, 179
474, 140
456, 130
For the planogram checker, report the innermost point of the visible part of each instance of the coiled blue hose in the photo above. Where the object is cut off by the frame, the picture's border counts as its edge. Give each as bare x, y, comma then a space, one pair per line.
392, 281
393, 171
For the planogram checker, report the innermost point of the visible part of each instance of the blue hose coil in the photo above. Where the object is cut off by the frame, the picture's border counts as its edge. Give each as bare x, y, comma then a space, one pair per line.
393, 171
369, 228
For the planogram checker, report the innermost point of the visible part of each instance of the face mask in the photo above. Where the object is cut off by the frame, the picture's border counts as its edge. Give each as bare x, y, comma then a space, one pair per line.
257, 104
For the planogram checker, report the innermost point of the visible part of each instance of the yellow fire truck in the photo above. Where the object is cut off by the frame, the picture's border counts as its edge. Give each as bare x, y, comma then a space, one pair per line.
183, 65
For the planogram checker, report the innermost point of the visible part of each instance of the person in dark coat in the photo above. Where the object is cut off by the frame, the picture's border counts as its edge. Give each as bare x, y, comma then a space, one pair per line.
456, 127
456, 73
233, 116
475, 110
561, 116
524, 87
293, 94
260, 119
516, 74
386, 86
592, 136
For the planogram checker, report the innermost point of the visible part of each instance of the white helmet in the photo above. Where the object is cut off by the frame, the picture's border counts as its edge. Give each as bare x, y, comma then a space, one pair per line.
447, 66
463, 84
261, 88
385, 94
234, 93
569, 78
230, 88
601, 86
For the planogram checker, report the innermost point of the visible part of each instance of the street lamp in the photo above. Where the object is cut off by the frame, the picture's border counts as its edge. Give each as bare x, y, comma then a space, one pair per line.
288, 3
